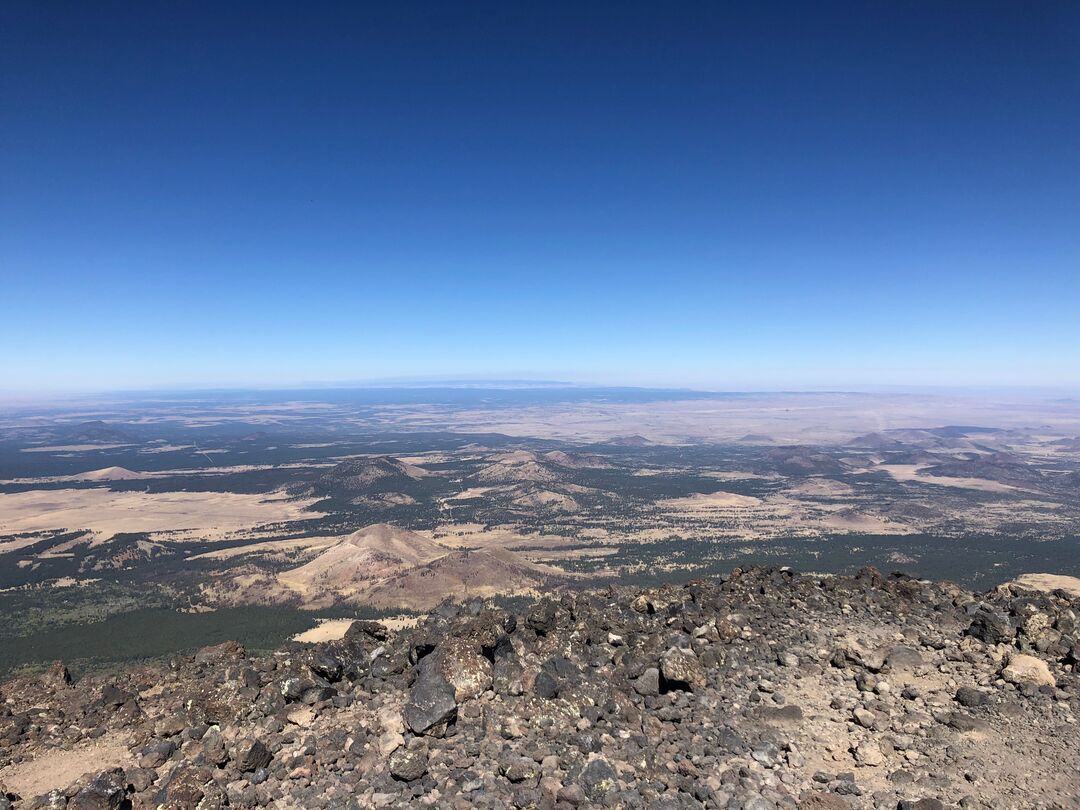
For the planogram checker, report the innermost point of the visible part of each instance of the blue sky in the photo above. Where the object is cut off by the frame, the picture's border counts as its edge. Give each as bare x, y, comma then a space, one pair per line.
752, 195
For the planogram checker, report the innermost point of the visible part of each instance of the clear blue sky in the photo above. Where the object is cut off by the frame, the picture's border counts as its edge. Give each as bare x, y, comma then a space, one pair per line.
713, 194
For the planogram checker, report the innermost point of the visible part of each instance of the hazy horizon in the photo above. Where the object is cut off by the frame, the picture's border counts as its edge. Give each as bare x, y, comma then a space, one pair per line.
8, 395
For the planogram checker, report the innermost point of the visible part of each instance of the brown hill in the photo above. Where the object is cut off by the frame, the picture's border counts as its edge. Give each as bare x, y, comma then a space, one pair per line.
520, 466
577, 461
535, 498
1002, 467
385, 566
358, 474
636, 440
109, 474
461, 575
359, 561
798, 460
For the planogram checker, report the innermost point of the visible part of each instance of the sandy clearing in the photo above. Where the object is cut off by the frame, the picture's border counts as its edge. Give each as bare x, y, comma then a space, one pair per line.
71, 448
269, 547
169, 473
210, 515
1048, 582
475, 535
549, 555
325, 630
71, 582
869, 524
473, 492
785, 418
59, 767
821, 488
109, 474
8, 546
911, 472
396, 623
334, 629
64, 549
716, 500
736, 475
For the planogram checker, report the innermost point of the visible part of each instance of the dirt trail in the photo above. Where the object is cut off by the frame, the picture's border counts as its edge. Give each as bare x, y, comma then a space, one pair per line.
60, 767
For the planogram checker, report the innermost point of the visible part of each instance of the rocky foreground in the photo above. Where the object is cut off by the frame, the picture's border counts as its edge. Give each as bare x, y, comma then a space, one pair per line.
757, 690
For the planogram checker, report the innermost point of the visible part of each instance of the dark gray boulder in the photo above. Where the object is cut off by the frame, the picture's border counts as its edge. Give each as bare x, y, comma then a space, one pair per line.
252, 755
104, 792
431, 705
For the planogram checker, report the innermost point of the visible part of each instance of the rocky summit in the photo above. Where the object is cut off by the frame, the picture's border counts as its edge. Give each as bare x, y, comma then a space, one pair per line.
755, 690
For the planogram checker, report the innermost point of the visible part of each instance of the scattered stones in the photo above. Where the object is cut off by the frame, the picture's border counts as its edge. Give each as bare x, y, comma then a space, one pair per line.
823, 801
758, 690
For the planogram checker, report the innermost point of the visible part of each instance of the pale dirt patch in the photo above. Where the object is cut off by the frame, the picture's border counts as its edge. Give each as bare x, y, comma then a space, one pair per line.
201, 471
397, 623
72, 582
472, 492
476, 535
270, 548
821, 488
911, 472
207, 515
457, 529
716, 500
571, 554
109, 474
71, 448
54, 767
8, 546
325, 630
849, 521
1048, 582
432, 457
736, 475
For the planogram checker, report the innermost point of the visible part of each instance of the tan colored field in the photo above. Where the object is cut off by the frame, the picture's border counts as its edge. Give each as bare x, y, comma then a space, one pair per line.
270, 549
717, 500
206, 515
334, 629
910, 472
735, 475
109, 474
821, 488
71, 448
325, 630
804, 419
1049, 582
475, 535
